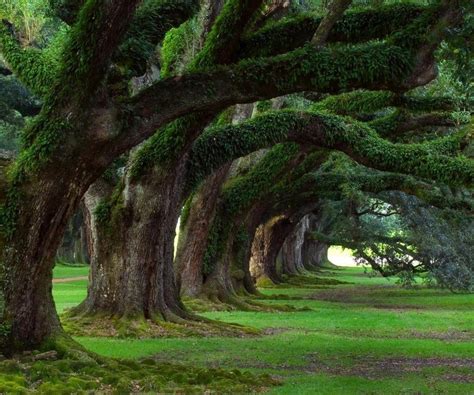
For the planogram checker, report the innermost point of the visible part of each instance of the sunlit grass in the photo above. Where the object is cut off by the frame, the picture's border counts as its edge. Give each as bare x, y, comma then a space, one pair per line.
322, 350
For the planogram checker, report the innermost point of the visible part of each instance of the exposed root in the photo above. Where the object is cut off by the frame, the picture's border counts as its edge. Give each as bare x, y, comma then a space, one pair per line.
233, 303
308, 281
102, 325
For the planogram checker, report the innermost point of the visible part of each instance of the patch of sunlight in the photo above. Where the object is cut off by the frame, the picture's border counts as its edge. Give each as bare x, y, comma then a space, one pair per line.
341, 256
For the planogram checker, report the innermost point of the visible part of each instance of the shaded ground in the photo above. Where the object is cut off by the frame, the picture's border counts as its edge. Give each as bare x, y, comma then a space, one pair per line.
358, 334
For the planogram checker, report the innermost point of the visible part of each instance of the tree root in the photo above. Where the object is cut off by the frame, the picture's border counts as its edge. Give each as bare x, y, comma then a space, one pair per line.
105, 325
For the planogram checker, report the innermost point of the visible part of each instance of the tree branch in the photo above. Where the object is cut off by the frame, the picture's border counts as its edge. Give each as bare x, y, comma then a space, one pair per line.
220, 145
34, 70
354, 27
336, 9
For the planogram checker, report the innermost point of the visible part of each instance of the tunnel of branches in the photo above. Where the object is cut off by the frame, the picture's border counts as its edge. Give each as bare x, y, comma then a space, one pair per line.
199, 150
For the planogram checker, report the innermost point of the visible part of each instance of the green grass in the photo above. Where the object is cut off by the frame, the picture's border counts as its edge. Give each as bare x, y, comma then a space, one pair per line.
65, 271
67, 295
369, 336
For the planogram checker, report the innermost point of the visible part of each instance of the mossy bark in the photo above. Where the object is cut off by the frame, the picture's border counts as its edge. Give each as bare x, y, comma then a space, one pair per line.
292, 262
230, 278
132, 264
266, 245
194, 232
29, 257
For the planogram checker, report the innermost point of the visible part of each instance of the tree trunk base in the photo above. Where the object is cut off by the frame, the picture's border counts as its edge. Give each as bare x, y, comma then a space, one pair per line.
232, 302
104, 324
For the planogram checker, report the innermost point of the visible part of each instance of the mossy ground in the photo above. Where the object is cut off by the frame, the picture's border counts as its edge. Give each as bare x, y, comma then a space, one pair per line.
366, 335
109, 376
138, 328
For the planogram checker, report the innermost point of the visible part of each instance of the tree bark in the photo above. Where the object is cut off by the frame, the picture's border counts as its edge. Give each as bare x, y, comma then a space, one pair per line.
230, 277
30, 254
132, 264
266, 245
194, 232
315, 253
292, 262
74, 247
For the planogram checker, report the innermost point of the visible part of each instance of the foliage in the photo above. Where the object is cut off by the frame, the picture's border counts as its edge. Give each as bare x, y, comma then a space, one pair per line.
28, 16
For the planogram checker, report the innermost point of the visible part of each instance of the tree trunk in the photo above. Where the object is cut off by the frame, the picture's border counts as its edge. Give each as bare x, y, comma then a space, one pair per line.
194, 232
74, 247
132, 262
266, 245
315, 253
230, 276
292, 262
29, 253
227, 280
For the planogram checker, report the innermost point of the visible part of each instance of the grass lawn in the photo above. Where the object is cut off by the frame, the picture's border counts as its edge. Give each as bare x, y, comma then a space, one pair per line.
67, 271
369, 336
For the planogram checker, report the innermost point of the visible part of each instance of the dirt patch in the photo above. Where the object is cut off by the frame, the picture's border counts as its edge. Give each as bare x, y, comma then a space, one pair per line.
451, 335
376, 368
274, 331
377, 297
448, 336
69, 279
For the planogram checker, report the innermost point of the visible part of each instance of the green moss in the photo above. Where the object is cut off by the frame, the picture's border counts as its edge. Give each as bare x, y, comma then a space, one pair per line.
175, 47
35, 69
163, 148
356, 103
152, 20
66, 376
222, 144
137, 327
354, 26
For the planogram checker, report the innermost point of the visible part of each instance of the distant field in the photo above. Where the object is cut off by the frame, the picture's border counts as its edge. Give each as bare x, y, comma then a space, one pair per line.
367, 336
341, 257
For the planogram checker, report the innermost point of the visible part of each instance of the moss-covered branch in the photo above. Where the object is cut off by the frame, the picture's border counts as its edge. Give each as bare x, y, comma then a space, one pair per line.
375, 65
223, 144
399, 122
35, 70
148, 28
354, 26
169, 143
363, 103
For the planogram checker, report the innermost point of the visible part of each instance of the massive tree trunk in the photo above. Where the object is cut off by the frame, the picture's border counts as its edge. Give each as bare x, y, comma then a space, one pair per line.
314, 252
30, 254
292, 262
194, 231
230, 276
132, 264
266, 245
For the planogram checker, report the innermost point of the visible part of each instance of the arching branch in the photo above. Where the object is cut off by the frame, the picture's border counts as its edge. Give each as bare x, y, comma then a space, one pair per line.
222, 144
